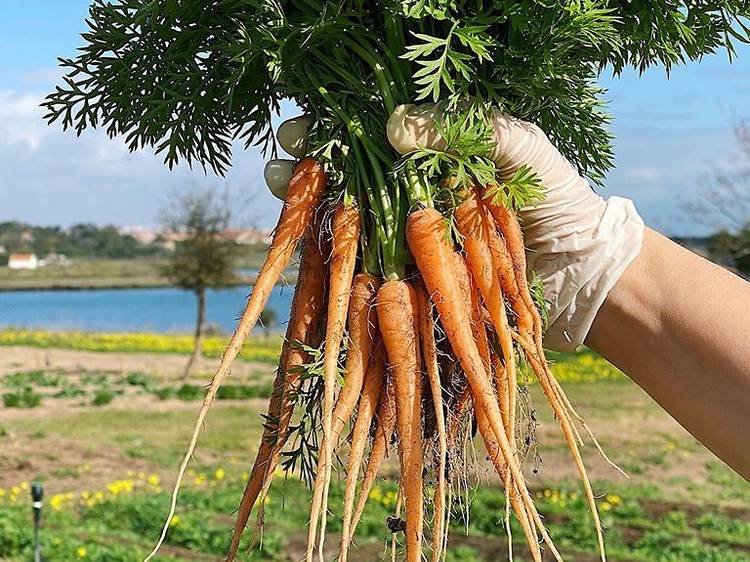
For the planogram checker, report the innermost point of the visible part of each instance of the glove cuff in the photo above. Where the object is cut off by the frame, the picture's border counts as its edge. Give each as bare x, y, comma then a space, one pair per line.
584, 269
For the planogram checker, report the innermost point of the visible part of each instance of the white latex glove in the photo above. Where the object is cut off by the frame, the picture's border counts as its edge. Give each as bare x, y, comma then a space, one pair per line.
577, 242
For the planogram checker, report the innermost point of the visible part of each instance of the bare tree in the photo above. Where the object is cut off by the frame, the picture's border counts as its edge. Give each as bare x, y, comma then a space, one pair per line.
203, 257
723, 203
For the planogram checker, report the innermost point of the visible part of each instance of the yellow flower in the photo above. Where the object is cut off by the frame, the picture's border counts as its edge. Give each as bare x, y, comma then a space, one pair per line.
57, 501
174, 521
614, 499
25, 486
153, 479
82, 552
606, 506
220, 474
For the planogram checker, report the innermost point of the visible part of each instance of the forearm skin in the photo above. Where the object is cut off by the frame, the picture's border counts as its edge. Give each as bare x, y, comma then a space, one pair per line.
679, 326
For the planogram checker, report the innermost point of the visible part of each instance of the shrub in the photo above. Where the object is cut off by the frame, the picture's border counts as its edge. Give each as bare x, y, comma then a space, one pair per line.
25, 398
102, 396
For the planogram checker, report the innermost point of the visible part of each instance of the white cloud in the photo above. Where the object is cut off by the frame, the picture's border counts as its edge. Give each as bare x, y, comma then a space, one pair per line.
48, 176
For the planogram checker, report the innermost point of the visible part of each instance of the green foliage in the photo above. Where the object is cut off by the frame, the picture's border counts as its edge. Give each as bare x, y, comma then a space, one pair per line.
22, 398
87, 240
203, 257
186, 78
102, 396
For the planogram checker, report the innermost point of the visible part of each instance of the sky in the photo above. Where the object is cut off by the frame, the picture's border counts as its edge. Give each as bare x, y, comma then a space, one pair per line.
667, 132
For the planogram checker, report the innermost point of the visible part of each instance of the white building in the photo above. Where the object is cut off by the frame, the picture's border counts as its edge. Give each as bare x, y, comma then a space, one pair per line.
23, 261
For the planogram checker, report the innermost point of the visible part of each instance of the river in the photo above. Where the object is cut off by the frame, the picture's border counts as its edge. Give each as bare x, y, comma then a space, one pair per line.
130, 310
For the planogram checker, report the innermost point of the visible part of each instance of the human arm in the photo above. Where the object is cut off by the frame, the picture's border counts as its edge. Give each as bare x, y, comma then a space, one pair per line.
679, 326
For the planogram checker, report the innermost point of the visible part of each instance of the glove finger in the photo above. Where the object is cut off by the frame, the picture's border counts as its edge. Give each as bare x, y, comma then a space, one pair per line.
413, 126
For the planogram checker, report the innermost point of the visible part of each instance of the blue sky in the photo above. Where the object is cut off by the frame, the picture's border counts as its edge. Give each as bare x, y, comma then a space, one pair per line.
668, 132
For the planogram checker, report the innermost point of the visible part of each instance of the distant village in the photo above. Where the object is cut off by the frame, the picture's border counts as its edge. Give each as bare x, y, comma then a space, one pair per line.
26, 247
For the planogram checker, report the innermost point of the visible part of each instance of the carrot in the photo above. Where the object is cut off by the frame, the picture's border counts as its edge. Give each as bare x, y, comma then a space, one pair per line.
305, 191
398, 313
368, 405
426, 236
386, 423
493, 451
307, 305
507, 223
475, 226
465, 285
346, 225
429, 354
361, 319
361, 323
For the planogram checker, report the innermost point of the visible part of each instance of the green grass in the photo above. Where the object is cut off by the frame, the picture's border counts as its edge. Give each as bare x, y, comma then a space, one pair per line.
680, 505
84, 273
119, 521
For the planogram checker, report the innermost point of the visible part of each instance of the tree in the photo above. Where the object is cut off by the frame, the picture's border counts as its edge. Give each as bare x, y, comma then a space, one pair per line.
203, 257
723, 203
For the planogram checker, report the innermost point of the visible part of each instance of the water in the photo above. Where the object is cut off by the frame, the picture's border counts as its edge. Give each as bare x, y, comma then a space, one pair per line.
130, 310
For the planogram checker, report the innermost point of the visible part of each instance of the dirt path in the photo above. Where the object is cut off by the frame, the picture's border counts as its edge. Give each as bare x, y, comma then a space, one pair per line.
19, 358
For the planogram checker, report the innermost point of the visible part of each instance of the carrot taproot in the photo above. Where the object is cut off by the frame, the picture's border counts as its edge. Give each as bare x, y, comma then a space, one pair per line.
345, 228
426, 236
361, 325
368, 405
361, 319
306, 189
430, 357
507, 222
384, 429
305, 313
495, 455
398, 313
465, 285
474, 225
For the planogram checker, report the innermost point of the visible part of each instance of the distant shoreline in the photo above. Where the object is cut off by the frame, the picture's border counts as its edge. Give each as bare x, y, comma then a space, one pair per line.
114, 285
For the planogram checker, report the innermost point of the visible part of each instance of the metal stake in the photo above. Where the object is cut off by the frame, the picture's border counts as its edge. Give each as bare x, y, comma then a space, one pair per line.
36, 498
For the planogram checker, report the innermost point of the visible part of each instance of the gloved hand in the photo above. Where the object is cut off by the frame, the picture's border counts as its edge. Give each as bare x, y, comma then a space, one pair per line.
578, 243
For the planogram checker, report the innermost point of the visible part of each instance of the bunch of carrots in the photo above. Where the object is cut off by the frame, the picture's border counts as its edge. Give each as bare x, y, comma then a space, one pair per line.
426, 349
413, 320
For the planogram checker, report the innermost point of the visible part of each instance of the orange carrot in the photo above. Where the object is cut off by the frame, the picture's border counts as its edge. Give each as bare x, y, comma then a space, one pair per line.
366, 409
465, 284
429, 354
477, 230
361, 320
305, 191
508, 224
346, 225
398, 312
361, 323
304, 317
427, 241
384, 428
493, 451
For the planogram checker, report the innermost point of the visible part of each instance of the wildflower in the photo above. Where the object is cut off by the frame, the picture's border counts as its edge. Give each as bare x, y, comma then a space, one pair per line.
219, 474
614, 499
81, 551
57, 501
174, 521
153, 479
605, 506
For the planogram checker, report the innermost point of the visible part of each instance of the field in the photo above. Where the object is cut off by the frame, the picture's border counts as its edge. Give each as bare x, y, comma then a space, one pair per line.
85, 273
104, 430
